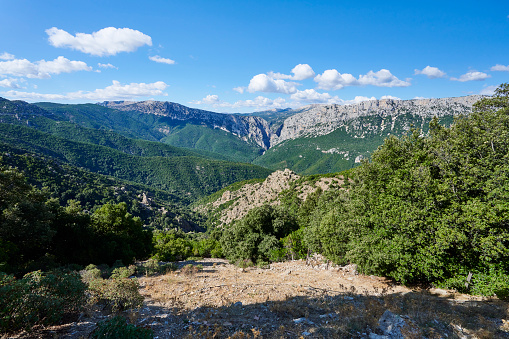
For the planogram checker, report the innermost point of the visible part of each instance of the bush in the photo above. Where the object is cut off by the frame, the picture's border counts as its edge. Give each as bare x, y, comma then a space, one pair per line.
430, 208
152, 267
256, 236
119, 294
171, 246
39, 298
123, 272
291, 247
90, 273
118, 327
207, 248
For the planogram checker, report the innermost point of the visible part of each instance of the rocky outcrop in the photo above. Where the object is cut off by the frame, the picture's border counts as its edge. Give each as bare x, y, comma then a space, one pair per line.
235, 204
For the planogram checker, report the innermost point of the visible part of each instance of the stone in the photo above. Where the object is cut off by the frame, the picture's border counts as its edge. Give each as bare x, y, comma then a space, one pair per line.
390, 326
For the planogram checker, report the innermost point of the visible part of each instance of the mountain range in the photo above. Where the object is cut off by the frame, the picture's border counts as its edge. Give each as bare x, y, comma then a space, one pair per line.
312, 139
175, 155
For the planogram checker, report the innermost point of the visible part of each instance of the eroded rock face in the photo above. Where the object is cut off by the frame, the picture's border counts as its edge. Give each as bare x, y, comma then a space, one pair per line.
255, 195
238, 203
319, 120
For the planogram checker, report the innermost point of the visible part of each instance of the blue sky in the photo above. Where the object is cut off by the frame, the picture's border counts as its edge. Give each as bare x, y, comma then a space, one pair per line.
244, 56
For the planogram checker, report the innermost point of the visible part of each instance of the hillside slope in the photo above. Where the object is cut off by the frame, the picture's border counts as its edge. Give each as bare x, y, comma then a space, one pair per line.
190, 176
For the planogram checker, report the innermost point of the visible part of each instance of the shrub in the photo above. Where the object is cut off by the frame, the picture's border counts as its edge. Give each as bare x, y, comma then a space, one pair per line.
123, 272
171, 246
39, 298
191, 269
119, 294
90, 273
152, 267
118, 327
256, 236
207, 248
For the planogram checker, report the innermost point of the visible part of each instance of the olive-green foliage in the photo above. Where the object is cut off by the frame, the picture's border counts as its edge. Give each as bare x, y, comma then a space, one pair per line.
25, 221
118, 328
207, 248
172, 246
39, 298
292, 247
187, 175
121, 235
153, 267
107, 235
39, 233
431, 208
123, 272
256, 236
207, 245
117, 293
175, 245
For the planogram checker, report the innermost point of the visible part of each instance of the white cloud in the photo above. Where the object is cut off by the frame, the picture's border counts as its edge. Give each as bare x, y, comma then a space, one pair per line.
310, 96
264, 83
239, 89
389, 97
431, 72
107, 41
490, 90
211, 100
357, 99
300, 72
108, 65
331, 79
159, 59
41, 69
6, 56
501, 68
10, 83
114, 92
472, 76
382, 78
259, 102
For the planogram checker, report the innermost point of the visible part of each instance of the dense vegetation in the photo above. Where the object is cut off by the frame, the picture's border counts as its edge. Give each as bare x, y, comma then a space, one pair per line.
186, 175
205, 140
36, 232
425, 209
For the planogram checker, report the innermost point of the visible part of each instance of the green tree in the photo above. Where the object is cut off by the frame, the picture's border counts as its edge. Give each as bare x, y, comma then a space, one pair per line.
25, 221
257, 235
119, 235
432, 208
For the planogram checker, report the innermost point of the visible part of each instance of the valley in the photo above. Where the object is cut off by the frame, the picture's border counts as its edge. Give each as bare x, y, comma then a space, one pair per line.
148, 193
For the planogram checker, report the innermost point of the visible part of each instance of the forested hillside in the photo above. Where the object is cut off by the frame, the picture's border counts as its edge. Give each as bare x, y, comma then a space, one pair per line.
190, 176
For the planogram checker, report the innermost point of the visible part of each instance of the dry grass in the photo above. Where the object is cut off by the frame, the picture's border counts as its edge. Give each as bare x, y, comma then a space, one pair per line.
293, 300
223, 301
